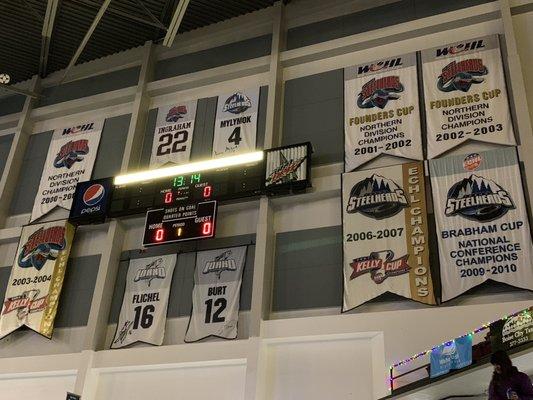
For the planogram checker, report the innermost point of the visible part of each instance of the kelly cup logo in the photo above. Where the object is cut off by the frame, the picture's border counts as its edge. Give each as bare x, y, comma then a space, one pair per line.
71, 152
380, 265
152, 271
237, 103
42, 245
461, 75
220, 263
478, 199
25, 303
378, 92
376, 197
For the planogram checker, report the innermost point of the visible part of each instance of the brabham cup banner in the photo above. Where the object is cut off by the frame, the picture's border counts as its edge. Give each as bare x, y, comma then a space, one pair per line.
216, 294
382, 114
70, 160
482, 223
236, 122
385, 235
465, 95
36, 278
144, 307
173, 134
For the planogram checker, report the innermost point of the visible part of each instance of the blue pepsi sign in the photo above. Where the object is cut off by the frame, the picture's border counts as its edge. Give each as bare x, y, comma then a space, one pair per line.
91, 201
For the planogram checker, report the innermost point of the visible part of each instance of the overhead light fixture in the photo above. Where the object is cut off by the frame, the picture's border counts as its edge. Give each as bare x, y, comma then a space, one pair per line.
5, 79
200, 166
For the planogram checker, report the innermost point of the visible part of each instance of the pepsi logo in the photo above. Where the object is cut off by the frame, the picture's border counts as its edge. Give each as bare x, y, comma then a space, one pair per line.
93, 194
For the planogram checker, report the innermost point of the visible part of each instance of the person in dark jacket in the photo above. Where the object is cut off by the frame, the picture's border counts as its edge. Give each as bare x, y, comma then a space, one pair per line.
507, 382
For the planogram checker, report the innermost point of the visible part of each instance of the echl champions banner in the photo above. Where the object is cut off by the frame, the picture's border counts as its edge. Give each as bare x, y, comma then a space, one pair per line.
381, 111
216, 294
385, 235
36, 278
70, 160
173, 134
465, 95
236, 122
144, 307
482, 223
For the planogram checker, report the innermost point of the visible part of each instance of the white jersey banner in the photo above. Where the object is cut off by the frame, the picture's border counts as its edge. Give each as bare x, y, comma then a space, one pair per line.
144, 307
36, 278
70, 160
482, 222
236, 122
216, 294
385, 235
173, 134
465, 95
381, 111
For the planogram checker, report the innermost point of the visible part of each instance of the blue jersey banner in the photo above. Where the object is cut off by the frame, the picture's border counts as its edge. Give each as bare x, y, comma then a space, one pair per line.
456, 354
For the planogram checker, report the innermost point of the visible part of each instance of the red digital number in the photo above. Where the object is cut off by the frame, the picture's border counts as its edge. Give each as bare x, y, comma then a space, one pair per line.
168, 197
207, 228
159, 234
207, 191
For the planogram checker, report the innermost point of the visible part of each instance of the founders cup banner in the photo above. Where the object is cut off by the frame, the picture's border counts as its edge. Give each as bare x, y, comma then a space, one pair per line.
385, 235
482, 223
465, 95
70, 160
381, 111
36, 278
173, 134
144, 307
216, 294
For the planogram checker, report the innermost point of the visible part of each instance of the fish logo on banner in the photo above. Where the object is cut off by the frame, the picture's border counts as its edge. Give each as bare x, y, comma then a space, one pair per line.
70, 160
465, 95
36, 278
385, 235
382, 114
216, 293
481, 220
236, 122
144, 306
173, 134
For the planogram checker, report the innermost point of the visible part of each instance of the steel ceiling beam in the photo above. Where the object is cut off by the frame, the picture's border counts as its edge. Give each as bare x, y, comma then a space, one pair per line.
48, 27
85, 40
19, 91
152, 16
32, 10
172, 31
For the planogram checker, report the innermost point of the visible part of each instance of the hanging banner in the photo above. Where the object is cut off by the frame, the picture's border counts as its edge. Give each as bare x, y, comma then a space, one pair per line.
236, 122
382, 113
456, 354
70, 160
465, 95
216, 294
482, 223
36, 278
173, 134
385, 235
513, 331
144, 307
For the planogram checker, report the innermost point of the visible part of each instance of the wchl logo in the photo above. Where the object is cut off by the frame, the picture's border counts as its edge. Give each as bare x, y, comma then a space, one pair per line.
237, 103
378, 92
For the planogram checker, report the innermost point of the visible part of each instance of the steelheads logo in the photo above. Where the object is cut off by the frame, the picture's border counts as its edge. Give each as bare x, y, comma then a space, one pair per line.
461, 75
152, 271
378, 92
71, 152
176, 113
220, 263
376, 197
478, 199
237, 103
42, 245
380, 265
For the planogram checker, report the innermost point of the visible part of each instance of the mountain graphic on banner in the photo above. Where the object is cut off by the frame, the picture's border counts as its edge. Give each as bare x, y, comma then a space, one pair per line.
376, 184
474, 185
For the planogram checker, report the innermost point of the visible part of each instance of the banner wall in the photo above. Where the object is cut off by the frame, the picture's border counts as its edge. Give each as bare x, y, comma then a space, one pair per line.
382, 113
36, 278
385, 235
482, 223
70, 160
216, 294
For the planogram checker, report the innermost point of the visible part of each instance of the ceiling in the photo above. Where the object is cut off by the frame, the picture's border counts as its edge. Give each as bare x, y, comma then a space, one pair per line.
125, 24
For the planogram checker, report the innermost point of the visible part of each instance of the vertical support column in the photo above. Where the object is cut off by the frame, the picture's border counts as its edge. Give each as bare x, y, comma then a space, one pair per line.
139, 112
15, 157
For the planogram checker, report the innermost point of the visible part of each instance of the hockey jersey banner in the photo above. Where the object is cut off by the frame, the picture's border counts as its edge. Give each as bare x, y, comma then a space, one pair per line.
382, 113
173, 134
216, 294
465, 95
144, 307
482, 223
70, 160
385, 235
36, 278
236, 122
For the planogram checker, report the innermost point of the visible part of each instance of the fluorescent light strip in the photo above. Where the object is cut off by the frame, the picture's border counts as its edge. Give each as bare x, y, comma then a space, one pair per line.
200, 166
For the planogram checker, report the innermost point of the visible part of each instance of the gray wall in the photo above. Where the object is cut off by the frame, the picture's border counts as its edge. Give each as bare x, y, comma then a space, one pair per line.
77, 293
5, 146
11, 104
314, 111
180, 301
374, 18
215, 57
111, 148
